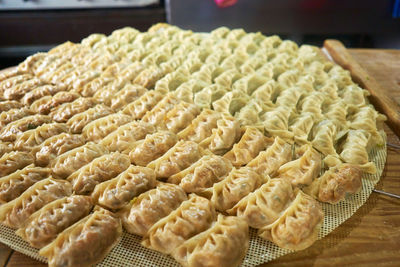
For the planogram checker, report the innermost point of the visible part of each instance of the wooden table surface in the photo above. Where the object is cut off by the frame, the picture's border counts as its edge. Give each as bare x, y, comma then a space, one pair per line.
371, 237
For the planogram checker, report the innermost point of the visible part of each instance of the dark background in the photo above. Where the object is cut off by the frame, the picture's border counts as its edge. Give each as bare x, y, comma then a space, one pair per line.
357, 23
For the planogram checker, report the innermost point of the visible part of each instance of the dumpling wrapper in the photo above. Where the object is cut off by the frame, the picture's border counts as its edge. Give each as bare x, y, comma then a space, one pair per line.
238, 184
202, 174
67, 163
335, 183
14, 213
193, 216
299, 225
177, 158
55, 146
152, 147
252, 142
14, 184
148, 208
117, 192
45, 224
14, 160
268, 162
265, 204
101, 169
224, 244
86, 242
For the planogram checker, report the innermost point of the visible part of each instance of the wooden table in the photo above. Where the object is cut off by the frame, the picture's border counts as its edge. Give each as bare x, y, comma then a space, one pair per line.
371, 237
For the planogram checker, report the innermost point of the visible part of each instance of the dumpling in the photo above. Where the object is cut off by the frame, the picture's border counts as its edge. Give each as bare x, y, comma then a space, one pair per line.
86, 242
149, 76
14, 160
325, 137
126, 95
33, 138
266, 204
180, 116
99, 170
123, 138
301, 127
67, 110
9, 104
40, 92
44, 225
138, 108
312, 104
299, 225
238, 184
201, 127
176, 159
289, 98
249, 114
145, 210
335, 183
355, 151
248, 84
55, 146
104, 80
100, 128
337, 112
224, 136
206, 96
231, 102
16, 128
192, 217
65, 164
252, 142
12, 81
286, 76
19, 90
224, 244
158, 113
11, 115
117, 192
152, 147
303, 170
367, 118
202, 174
14, 184
29, 64
14, 213
11, 72
80, 120
185, 91
353, 95
269, 161
276, 122
266, 92
5, 148
47, 103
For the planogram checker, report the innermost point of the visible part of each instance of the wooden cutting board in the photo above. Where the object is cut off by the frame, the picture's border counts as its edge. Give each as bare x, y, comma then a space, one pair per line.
371, 237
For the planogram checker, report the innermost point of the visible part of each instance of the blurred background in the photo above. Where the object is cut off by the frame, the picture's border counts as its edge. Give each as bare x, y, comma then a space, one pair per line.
29, 26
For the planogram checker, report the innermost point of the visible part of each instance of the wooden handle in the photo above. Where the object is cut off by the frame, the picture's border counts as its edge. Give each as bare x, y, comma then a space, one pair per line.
379, 97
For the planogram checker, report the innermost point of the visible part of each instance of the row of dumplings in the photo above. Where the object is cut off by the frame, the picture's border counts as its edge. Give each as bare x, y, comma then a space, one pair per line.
213, 131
